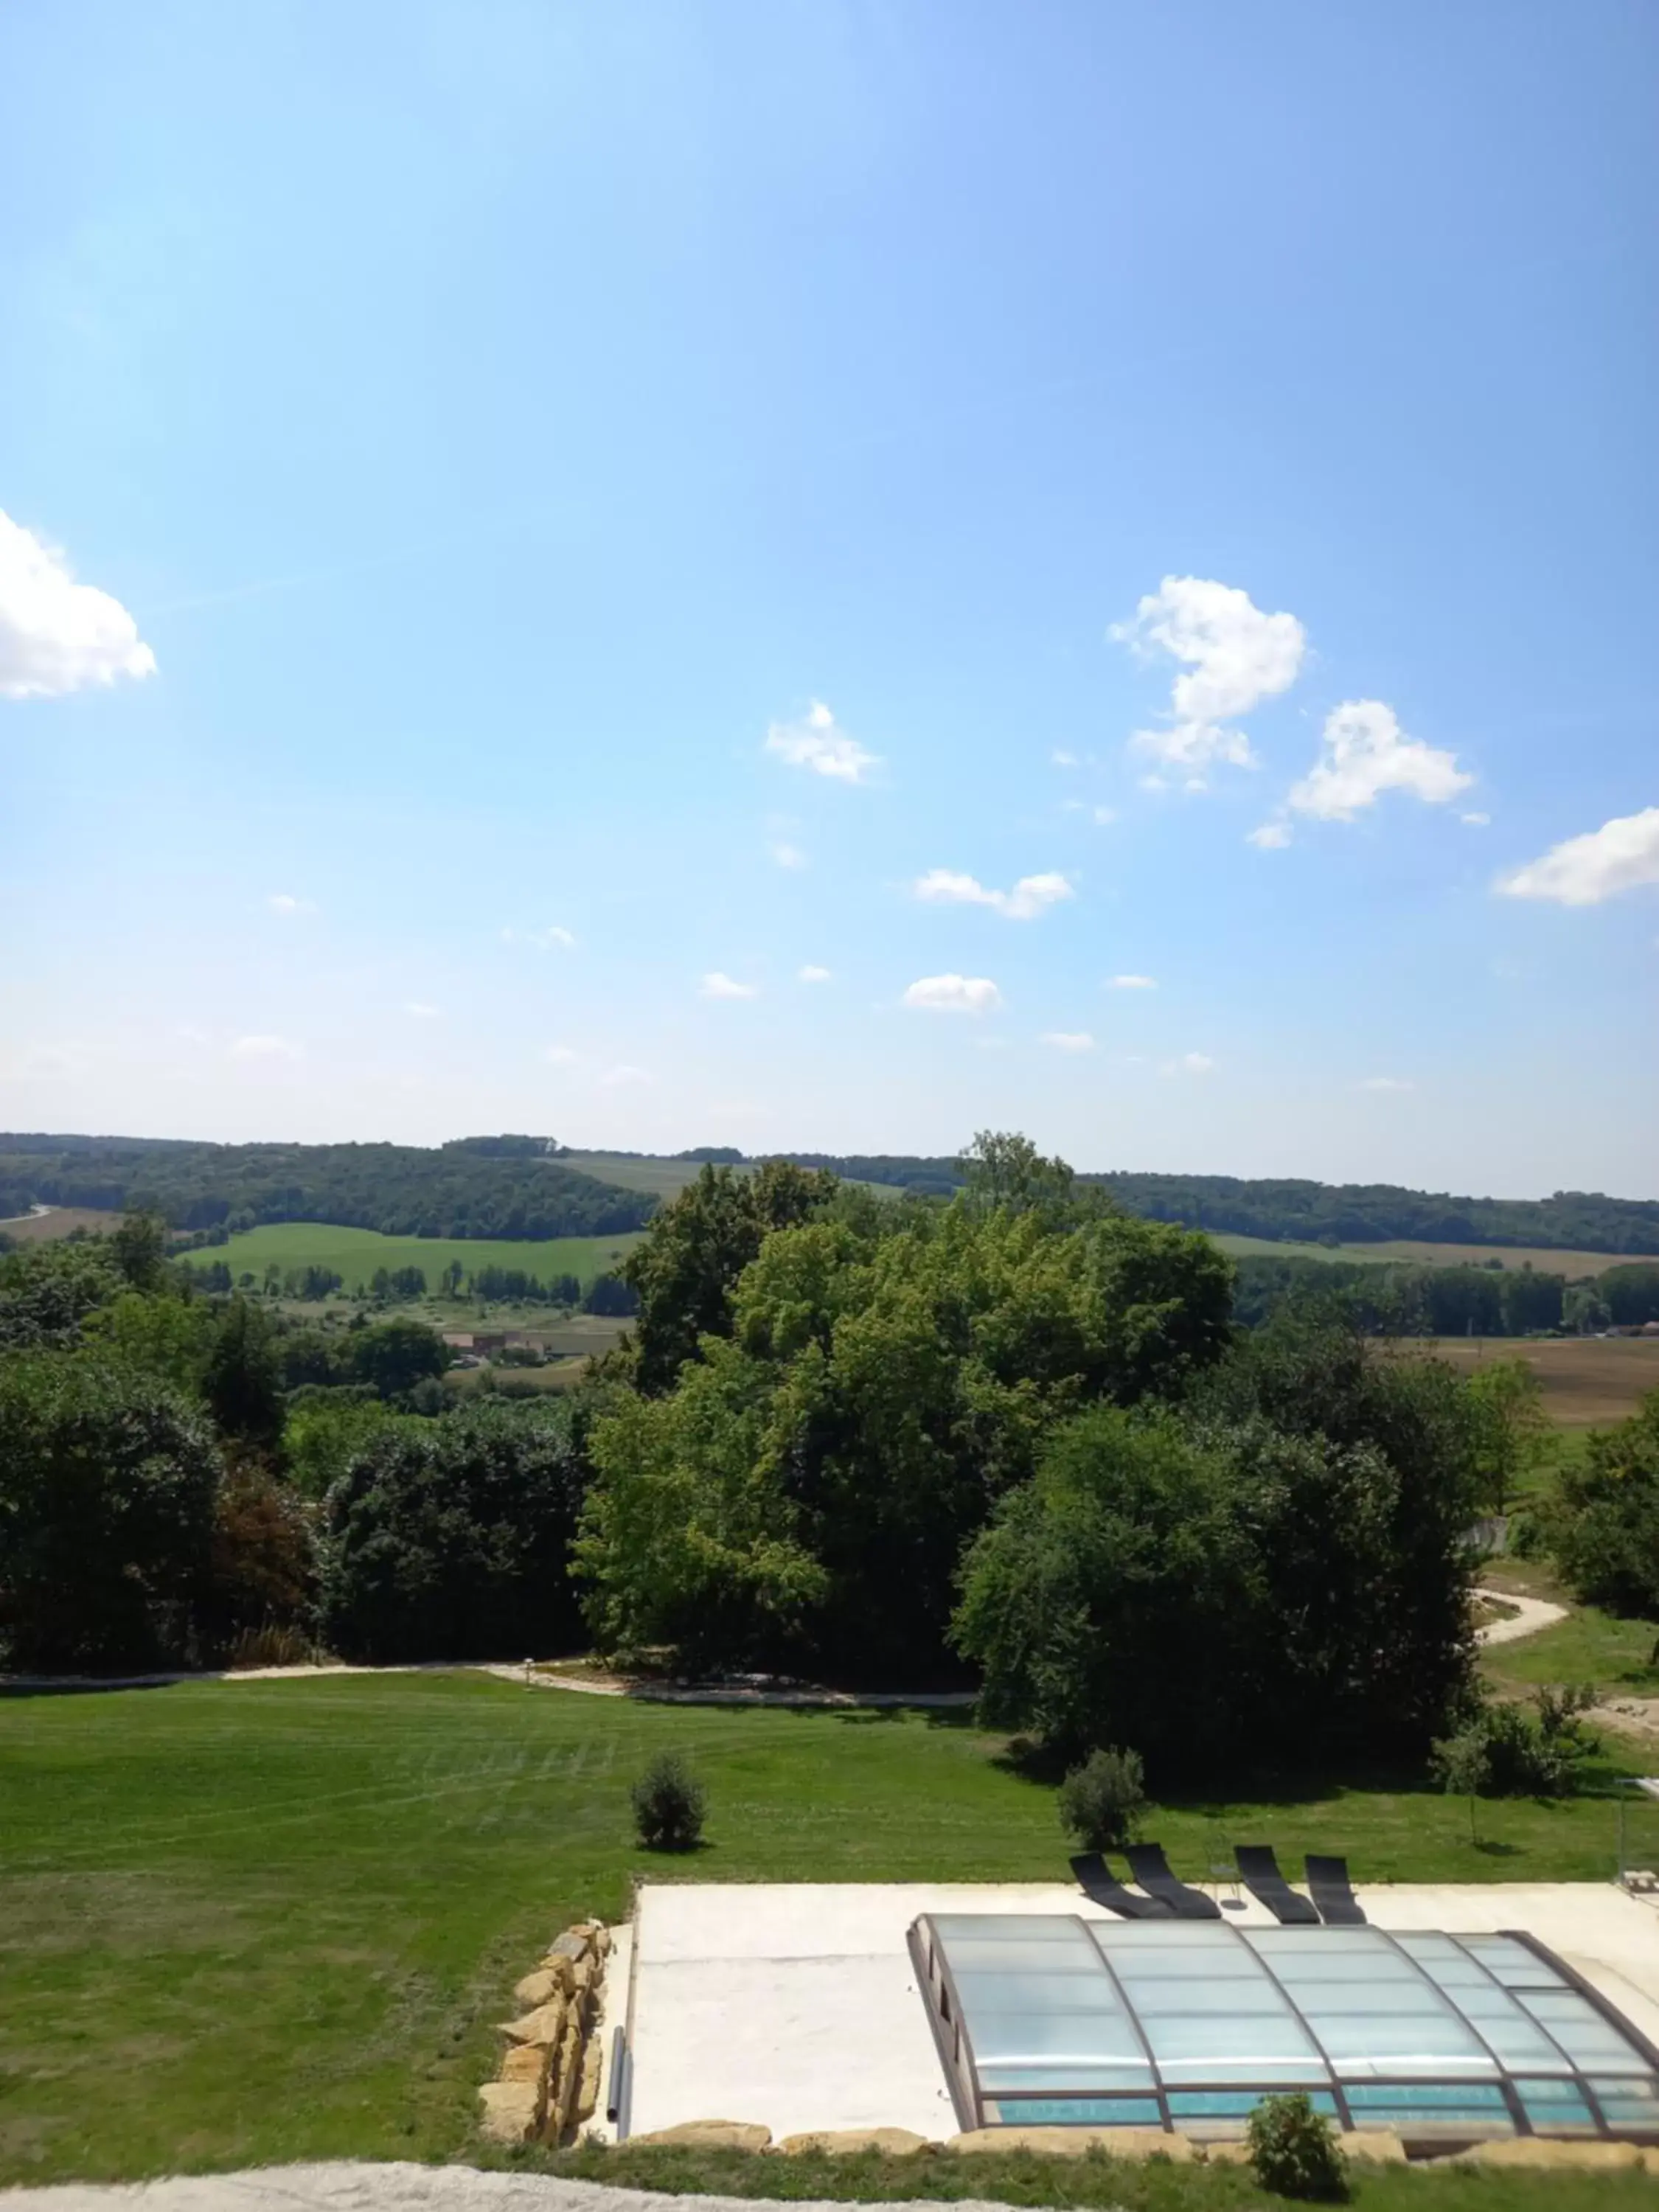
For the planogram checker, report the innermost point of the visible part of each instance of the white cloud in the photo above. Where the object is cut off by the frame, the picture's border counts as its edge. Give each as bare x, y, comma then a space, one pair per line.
560, 1055
57, 636
716, 986
1271, 836
624, 1076
544, 941
1385, 1083
1365, 752
1103, 815
421, 1010
1235, 657
1068, 1040
284, 902
1062, 758
954, 994
1190, 1063
1132, 983
788, 856
812, 975
818, 743
1476, 820
1030, 896
1583, 871
264, 1048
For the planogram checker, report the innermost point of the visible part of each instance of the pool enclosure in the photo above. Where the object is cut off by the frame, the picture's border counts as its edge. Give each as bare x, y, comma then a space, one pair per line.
1059, 2021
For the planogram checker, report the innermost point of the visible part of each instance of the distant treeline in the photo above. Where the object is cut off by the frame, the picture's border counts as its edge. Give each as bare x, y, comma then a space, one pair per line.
1293, 1211
1419, 1301
606, 1294
491, 1186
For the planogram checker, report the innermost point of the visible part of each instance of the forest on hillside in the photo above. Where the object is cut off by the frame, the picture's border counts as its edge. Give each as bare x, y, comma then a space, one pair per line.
1291, 1210
488, 1187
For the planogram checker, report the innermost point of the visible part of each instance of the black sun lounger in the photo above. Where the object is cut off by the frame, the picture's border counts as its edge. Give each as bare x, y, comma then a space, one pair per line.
1258, 1869
1332, 1892
1096, 1880
1152, 1871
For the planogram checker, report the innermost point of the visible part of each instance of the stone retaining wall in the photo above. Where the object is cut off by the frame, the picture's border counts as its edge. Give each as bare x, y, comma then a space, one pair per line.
549, 2083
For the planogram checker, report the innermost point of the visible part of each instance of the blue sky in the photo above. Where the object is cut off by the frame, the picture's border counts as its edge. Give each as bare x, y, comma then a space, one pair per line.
529, 527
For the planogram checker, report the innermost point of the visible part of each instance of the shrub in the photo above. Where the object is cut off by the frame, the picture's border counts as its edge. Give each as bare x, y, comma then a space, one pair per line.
1295, 2151
1504, 1751
1101, 1800
668, 1805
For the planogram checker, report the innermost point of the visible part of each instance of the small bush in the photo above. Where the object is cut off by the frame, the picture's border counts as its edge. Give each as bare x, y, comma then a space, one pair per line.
668, 1805
1295, 2151
1101, 1800
1504, 1751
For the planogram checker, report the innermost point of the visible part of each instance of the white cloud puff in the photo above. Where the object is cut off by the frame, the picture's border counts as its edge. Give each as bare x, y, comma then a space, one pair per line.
1476, 820
1619, 856
421, 1010
954, 994
1068, 1040
264, 1048
1030, 896
787, 855
812, 975
285, 904
1132, 983
1271, 836
818, 743
1190, 1063
714, 985
57, 636
554, 938
1234, 656
1365, 752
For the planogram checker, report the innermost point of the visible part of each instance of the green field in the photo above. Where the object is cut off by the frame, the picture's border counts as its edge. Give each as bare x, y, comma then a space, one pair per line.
253, 1922
1539, 1257
354, 1253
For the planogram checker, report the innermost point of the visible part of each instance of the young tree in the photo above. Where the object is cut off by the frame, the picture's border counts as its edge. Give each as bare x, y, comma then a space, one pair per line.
242, 1382
1602, 1521
1512, 1428
139, 1249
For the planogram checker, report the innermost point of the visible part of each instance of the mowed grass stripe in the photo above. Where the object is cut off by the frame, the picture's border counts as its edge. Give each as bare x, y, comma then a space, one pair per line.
356, 1253
247, 1923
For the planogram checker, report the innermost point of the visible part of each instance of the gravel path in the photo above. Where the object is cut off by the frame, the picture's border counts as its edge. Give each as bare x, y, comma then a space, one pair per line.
343, 2185
1530, 1614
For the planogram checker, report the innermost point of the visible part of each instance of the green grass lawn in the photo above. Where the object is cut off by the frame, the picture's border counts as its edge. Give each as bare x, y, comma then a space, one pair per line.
248, 1922
354, 1253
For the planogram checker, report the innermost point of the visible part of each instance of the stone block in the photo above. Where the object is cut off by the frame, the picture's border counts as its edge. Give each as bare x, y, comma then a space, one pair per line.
711, 2134
536, 1989
572, 1945
587, 2091
1072, 2143
511, 2111
543, 2025
844, 2142
525, 2062
562, 1970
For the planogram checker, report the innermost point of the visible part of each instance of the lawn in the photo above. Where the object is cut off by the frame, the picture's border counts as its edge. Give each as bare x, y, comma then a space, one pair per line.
354, 1253
248, 1922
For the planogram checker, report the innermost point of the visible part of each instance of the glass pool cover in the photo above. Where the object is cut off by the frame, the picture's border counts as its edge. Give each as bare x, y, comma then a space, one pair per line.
1045, 2021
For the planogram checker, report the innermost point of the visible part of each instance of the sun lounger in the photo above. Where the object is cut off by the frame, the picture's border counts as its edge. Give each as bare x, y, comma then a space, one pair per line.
1153, 1872
1258, 1869
1332, 1892
1096, 1880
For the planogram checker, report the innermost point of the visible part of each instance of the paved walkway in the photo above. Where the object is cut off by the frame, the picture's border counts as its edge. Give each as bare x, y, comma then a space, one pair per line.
1530, 1614
344, 2186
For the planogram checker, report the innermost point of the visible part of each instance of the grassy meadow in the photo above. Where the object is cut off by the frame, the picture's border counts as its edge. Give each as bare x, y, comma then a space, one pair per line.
354, 1253
1414, 1250
1587, 1381
243, 1923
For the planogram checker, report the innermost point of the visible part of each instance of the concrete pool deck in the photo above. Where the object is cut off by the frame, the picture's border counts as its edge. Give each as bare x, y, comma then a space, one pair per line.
795, 2004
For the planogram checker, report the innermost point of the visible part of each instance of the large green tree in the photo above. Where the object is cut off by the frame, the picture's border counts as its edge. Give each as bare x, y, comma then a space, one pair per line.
1602, 1521
108, 1481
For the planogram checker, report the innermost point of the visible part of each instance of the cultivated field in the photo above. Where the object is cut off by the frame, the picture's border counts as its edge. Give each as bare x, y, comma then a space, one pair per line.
354, 1253
1585, 1380
665, 1177
56, 1221
1539, 1257
251, 1922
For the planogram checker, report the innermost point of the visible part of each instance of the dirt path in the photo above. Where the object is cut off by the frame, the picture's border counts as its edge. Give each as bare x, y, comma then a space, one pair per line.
343, 2185
1529, 1615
